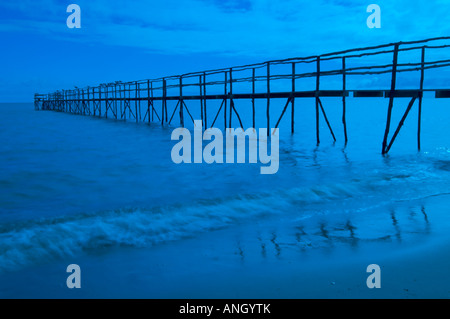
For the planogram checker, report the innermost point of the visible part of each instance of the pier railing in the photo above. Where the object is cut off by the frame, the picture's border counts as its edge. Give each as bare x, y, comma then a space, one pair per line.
147, 100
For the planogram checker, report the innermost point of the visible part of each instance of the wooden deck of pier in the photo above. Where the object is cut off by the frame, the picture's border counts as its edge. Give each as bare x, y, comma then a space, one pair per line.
147, 100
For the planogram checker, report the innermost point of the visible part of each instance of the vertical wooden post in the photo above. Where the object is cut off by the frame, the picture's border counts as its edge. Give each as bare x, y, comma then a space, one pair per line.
268, 99
100, 101
391, 98
204, 100
181, 102
422, 73
94, 103
148, 101
225, 100
84, 102
130, 90
292, 98
151, 93
201, 97
87, 100
78, 102
123, 105
344, 122
115, 98
163, 102
122, 101
231, 97
75, 101
136, 87
317, 100
139, 101
113, 95
253, 98
107, 101
126, 102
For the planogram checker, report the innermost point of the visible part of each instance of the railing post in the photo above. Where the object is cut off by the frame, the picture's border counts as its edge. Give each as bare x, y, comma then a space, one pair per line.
292, 97
100, 101
344, 121
419, 120
84, 102
201, 97
163, 102
268, 99
153, 107
231, 97
181, 102
87, 101
317, 100
136, 93
204, 100
225, 100
391, 98
148, 101
107, 100
123, 104
253, 98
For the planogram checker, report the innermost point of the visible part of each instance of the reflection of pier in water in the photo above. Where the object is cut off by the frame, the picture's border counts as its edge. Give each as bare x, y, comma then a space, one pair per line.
302, 237
137, 100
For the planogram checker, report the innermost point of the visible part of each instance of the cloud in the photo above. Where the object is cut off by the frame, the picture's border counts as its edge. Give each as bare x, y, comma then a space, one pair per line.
260, 28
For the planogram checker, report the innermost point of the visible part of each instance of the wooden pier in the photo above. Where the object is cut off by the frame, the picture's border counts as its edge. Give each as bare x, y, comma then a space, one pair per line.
147, 100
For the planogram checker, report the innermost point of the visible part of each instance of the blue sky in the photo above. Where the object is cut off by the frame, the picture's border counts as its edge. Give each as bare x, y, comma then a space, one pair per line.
132, 40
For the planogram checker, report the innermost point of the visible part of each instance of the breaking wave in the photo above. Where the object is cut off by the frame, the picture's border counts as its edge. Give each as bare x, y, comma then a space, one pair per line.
28, 242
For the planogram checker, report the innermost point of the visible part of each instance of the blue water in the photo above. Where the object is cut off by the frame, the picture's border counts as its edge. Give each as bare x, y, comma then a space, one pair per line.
73, 188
